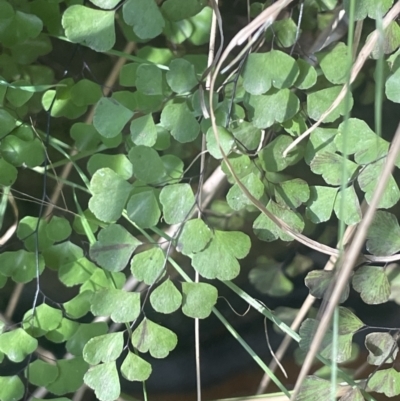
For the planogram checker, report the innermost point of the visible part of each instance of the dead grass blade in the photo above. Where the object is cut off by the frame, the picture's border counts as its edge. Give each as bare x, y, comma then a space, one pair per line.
361, 59
347, 262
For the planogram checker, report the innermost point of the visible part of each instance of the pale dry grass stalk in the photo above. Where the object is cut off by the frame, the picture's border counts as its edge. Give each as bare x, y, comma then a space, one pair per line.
302, 313
347, 262
360, 61
264, 20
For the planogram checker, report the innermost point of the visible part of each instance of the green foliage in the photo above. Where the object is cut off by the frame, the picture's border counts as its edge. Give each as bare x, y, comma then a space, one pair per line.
113, 248
135, 149
153, 338
17, 344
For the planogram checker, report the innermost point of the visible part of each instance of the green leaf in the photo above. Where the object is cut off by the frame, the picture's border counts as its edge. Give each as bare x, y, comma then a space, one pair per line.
62, 254
8, 173
307, 75
78, 306
58, 229
105, 390
275, 106
85, 136
153, 338
147, 266
295, 126
149, 79
386, 381
392, 86
28, 228
353, 394
368, 180
237, 200
194, 237
348, 321
143, 209
134, 368
120, 305
181, 76
17, 344
109, 195
58, 102
334, 63
382, 348
73, 268
145, 18
178, 119
271, 156
383, 237
163, 138
94, 28
262, 70
224, 249
18, 97
40, 373
110, 117
106, 4
85, 332
246, 134
330, 166
201, 23
292, 193
127, 99
175, 10
70, 376
166, 298
17, 27
198, 299
226, 142
147, 164
284, 32
41, 320
143, 131
85, 93
391, 41
315, 388
320, 205
371, 8
241, 164
8, 123
299, 265
20, 265
120, 164
177, 201
127, 76
63, 332
318, 102
318, 282
178, 31
344, 347
30, 50
173, 169
11, 388
19, 153
371, 148
105, 348
101, 279
352, 211
269, 278
267, 230
321, 140
372, 283
344, 342
114, 248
